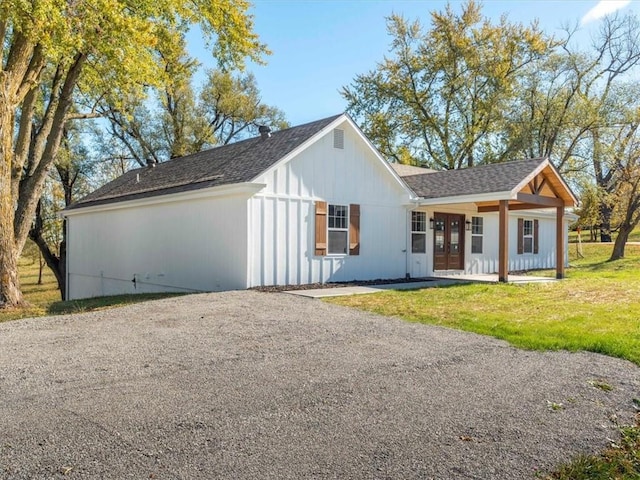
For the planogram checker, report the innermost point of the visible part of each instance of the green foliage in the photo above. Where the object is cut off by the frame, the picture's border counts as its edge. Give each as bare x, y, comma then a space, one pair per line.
227, 108
442, 93
595, 309
60, 59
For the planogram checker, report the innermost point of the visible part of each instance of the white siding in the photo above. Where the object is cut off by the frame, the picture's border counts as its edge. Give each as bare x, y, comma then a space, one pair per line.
487, 261
194, 245
282, 221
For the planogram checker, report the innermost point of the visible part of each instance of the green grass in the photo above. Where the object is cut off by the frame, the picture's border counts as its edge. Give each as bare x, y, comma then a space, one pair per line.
621, 461
44, 299
596, 308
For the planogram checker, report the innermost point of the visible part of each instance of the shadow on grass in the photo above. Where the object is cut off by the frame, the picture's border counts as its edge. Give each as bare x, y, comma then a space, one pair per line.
99, 303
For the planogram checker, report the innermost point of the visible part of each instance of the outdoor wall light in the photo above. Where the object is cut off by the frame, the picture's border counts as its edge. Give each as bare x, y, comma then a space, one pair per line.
431, 223
468, 225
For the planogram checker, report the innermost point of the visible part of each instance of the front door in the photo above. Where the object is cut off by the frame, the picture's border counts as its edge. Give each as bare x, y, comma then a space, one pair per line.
448, 241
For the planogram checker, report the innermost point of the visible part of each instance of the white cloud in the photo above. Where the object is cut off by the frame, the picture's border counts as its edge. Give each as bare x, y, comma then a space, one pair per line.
604, 8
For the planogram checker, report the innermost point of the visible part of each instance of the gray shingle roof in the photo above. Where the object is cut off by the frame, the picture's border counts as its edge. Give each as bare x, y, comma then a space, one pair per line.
234, 163
496, 177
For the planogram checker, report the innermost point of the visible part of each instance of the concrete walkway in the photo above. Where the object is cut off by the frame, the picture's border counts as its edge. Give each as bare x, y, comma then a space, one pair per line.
435, 282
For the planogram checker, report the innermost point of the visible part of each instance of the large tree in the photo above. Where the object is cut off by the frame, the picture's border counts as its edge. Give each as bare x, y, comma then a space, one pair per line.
53, 49
439, 98
579, 108
227, 108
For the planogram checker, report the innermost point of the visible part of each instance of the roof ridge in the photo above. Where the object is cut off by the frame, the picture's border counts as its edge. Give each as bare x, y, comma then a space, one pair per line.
475, 167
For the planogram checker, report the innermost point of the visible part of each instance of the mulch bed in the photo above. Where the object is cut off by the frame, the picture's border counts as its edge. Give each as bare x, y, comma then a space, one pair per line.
354, 283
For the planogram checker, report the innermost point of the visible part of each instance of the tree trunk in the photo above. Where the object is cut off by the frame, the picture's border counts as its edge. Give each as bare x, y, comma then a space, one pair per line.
605, 226
40, 267
56, 264
10, 294
621, 241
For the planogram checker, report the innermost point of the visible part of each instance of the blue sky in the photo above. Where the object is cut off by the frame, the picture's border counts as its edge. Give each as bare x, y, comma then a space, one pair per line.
321, 45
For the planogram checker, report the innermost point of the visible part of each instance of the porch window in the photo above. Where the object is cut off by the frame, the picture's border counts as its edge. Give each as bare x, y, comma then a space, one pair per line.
418, 232
477, 232
527, 236
338, 229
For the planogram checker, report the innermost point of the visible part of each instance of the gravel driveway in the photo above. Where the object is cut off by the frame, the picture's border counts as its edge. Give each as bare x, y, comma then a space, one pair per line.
266, 385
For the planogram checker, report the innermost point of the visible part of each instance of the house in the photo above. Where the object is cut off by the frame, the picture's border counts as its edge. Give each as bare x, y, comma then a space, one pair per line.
312, 203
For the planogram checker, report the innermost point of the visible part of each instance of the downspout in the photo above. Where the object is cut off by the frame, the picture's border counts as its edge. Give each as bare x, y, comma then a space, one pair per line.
407, 243
66, 259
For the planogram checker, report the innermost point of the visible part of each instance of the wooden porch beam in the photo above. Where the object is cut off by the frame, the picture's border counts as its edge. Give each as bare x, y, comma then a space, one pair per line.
513, 206
503, 242
542, 184
540, 200
560, 243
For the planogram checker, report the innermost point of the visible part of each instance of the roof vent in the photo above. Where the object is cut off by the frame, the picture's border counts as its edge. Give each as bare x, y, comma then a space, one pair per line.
338, 138
265, 132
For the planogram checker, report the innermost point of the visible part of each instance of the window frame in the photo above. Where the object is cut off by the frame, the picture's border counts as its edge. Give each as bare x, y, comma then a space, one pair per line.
331, 219
421, 230
530, 235
477, 223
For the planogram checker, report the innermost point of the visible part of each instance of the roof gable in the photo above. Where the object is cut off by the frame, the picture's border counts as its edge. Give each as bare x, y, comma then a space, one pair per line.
229, 164
340, 122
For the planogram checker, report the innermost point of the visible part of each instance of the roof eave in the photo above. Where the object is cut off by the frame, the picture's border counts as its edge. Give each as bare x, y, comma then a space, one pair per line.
245, 188
472, 198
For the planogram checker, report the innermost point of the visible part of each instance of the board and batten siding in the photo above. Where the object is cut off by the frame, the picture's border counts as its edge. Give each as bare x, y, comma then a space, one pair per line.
183, 246
282, 216
487, 261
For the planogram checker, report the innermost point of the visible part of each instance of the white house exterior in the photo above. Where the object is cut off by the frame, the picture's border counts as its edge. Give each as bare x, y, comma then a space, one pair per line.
314, 203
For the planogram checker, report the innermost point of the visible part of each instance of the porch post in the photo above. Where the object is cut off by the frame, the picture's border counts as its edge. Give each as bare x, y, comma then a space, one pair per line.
560, 242
503, 242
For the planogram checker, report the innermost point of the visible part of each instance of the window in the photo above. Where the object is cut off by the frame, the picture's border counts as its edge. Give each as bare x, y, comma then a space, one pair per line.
418, 232
527, 236
338, 229
477, 231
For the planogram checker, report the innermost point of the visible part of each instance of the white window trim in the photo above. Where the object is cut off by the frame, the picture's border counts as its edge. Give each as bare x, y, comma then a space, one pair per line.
419, 232
525, 236
481, 235
334, 229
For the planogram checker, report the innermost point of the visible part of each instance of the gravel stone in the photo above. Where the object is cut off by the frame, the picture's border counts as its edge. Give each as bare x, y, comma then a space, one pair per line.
269, 385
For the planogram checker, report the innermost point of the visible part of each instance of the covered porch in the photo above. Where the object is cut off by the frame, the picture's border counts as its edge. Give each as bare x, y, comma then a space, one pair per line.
532, 185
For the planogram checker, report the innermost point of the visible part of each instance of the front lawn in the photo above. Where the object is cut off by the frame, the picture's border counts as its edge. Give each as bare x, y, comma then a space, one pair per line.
596, 308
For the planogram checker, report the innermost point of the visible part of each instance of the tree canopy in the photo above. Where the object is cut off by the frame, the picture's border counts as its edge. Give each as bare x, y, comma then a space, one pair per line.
439, 98
55, 51
468, 90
